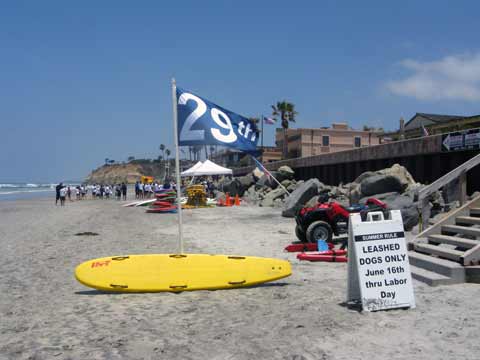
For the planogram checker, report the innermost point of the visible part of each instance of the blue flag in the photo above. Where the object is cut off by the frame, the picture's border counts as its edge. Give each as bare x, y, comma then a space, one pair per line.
201, 122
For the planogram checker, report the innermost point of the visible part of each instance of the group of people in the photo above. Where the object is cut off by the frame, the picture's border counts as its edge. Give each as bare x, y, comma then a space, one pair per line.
101, 191
63, 192
147, 190
142, 190
98, 191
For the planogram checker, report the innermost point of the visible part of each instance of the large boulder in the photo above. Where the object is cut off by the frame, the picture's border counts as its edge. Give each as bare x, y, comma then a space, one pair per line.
269, 199
252, 196
300, 196
405, 204
354, 193
246, 181
278, 203
233, 187
337, 191
378, 184
285, 173
395, 178
363, 176
238, 185
292, 187
267, 181
401, 173
312, 202
286, 183
381, 197
437, 202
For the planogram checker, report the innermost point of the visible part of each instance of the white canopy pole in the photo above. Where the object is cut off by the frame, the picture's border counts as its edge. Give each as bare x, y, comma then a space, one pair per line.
177, 167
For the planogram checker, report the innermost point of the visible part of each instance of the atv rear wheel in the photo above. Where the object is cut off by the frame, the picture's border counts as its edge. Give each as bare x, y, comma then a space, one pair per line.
300, 234
319, 230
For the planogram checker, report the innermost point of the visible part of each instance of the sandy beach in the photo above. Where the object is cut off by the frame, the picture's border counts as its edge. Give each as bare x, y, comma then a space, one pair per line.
47, 314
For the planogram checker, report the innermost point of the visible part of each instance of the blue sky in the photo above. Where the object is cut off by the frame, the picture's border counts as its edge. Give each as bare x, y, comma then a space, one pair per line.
82, 81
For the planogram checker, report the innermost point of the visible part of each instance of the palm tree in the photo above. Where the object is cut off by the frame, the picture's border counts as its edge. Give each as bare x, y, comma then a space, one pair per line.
255, 121
167, 152
106, 161
287, 113
190, 151
162, 149
196, 151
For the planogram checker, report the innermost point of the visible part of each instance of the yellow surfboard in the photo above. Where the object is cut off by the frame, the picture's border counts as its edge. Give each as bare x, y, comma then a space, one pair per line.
173, 272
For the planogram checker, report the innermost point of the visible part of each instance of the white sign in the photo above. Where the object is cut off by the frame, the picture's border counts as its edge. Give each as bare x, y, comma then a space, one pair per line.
378, 267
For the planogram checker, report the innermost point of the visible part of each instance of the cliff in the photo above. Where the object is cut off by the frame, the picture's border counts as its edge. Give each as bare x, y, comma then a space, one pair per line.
129, 172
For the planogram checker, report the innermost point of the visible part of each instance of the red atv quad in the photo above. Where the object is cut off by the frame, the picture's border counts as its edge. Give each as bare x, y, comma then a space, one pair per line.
327, 218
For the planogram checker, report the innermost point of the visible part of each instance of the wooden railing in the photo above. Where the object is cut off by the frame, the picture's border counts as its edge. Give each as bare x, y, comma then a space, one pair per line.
460, 173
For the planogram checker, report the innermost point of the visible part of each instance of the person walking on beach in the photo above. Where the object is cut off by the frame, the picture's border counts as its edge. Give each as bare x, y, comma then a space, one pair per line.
137, 190
166, 184
147, 191
124, 191
118, 192
107, 192
57, 192
63, 195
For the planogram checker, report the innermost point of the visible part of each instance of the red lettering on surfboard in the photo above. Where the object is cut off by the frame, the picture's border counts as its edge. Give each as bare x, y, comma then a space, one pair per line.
100, 263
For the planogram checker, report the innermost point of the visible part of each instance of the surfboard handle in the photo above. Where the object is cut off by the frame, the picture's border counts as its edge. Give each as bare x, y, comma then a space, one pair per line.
237, 282
178, 256
178, 286
120, 257
115, 286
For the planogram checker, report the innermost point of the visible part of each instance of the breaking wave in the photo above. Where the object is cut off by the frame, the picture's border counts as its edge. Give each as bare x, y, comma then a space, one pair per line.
25, 186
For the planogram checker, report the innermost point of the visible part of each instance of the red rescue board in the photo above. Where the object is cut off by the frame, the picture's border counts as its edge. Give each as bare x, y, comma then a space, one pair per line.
325, 256
162, 204
162, 209
305, 247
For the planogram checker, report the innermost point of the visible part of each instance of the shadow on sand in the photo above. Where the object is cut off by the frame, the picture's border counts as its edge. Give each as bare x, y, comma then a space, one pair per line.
101, 292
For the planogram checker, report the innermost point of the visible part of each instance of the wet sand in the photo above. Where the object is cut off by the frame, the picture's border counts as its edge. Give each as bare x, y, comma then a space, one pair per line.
47, 314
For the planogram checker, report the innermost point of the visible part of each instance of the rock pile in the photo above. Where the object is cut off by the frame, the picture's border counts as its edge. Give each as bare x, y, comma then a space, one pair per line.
395, 186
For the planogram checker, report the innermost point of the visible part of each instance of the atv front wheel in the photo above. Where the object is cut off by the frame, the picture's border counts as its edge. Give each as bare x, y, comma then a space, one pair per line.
319, 230
300, 234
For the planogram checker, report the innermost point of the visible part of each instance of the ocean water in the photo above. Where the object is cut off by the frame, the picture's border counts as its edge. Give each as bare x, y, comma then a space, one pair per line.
16, 191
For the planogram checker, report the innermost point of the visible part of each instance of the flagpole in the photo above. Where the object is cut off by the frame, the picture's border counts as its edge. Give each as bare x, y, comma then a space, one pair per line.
261, 120
177, 167
265, 170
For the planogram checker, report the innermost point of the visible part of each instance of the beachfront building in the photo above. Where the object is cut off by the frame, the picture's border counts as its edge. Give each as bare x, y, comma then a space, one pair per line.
270, 154
229, 158
422, 124
232, 158
338, 137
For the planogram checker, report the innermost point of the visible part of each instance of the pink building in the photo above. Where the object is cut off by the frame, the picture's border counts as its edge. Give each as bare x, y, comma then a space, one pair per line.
338, 137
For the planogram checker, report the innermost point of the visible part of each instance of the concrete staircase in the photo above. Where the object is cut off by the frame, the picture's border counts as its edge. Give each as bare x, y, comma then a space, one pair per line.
449, 251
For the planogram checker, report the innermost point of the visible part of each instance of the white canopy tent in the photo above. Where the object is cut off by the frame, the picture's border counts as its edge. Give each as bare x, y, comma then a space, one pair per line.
208, 168
189, 172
